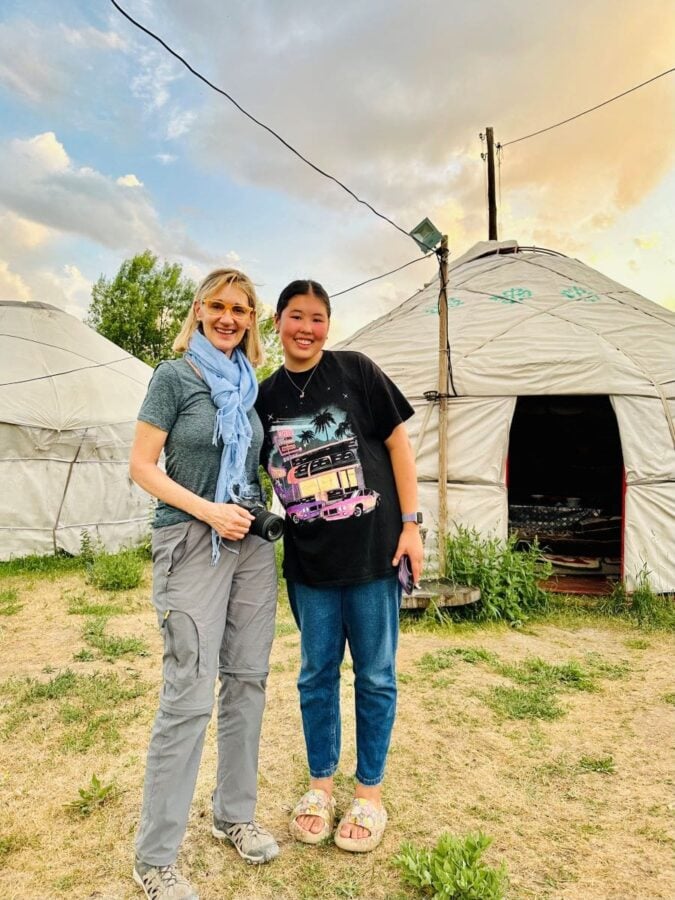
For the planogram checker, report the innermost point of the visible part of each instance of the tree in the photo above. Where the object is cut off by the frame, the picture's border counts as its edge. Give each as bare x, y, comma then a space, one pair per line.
143, 307
274, 355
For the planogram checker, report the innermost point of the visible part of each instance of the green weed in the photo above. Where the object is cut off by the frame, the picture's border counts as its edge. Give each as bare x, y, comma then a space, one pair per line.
644, 607
80, 605
9, 603
515, 703
283, 628
110, 647
453, 870
444, 659
83, 655
602, 764
116, 571
11, 843
508, 579
536, 671
669, 698
637, 644
80, 702
92, 797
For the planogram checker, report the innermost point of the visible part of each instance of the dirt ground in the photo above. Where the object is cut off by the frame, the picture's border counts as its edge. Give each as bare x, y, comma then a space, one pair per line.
564, 827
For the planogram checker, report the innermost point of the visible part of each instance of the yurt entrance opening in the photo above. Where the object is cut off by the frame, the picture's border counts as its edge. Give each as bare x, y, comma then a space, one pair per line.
565, 484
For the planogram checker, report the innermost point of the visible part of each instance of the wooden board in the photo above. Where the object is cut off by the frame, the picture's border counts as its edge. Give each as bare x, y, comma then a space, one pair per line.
442, 594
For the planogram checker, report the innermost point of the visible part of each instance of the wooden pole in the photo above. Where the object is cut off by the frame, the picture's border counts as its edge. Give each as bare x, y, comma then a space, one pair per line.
443, 406
492, 194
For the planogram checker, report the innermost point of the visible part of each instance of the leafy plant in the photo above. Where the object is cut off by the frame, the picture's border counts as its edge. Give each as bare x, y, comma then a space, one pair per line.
116, 571
453, 869
508, 578
92, 797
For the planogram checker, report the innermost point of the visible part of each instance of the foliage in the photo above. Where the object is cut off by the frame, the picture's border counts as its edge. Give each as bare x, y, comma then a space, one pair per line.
92, 797
535, 671
274, 355
453, 870
116, 571
142, 308
445, 658
508, 579
44, 566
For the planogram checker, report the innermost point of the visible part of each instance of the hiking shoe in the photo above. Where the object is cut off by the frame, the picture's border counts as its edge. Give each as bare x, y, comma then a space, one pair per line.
163, 883
251, 842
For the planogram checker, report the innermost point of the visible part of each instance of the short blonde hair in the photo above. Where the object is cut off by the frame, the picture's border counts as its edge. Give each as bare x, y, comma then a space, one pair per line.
251, 344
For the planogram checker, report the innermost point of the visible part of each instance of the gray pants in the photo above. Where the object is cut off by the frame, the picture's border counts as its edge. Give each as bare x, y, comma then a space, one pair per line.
216, 620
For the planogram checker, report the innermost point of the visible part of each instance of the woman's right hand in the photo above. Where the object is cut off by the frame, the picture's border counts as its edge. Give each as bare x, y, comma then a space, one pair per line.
229, 520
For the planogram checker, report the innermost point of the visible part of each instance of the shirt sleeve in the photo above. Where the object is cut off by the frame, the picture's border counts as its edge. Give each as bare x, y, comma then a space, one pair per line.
388, 406
163, 399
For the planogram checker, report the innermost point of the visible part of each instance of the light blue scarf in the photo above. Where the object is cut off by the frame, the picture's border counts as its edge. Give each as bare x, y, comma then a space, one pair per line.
233, 390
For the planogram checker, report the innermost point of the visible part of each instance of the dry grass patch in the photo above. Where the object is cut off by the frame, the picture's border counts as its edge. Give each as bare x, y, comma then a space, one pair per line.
564, 825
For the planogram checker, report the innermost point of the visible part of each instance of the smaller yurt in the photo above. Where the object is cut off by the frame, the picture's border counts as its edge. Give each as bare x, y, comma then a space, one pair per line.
561, 403
68, 405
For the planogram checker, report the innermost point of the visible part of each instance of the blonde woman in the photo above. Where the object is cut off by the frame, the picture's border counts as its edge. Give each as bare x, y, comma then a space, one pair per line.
214, 584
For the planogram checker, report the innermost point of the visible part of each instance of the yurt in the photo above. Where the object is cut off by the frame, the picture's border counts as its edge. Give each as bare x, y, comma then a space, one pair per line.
68, 405
561, 400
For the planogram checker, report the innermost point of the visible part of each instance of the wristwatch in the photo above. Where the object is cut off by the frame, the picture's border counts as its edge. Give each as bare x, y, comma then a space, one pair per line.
412, 517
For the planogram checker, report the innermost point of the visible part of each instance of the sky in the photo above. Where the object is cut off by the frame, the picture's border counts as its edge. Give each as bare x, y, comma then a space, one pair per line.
109, 146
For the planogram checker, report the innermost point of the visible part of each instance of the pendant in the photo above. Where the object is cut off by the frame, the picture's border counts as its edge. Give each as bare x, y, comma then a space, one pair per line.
302, 395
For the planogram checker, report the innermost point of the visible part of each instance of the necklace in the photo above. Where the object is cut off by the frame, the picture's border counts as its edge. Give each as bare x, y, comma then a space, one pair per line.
301, 390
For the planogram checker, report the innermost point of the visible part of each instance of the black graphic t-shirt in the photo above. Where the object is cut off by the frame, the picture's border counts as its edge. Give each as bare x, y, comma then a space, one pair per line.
330, 468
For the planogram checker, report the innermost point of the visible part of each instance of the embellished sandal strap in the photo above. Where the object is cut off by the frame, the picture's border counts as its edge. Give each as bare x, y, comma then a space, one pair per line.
365, 814
316, 802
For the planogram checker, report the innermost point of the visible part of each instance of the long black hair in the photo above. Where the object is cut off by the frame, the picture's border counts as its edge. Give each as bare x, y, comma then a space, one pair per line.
299, 287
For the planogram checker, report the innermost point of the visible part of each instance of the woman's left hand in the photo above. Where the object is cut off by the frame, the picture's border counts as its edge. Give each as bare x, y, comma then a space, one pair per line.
410, 542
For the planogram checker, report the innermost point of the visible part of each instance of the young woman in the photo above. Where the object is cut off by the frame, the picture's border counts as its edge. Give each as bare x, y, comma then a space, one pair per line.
339, 457
214, 584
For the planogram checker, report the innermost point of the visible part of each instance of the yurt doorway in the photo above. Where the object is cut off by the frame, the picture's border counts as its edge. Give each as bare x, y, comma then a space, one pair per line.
565, 482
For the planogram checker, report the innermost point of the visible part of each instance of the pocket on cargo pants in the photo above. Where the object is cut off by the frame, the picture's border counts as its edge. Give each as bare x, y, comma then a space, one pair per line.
185, 686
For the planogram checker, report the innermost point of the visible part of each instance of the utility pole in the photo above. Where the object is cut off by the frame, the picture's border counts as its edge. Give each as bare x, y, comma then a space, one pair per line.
443, 406
492, 195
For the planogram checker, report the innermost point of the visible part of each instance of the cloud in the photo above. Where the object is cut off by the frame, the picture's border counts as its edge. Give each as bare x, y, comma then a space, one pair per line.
18, 234
67, 288
40, 183
179, 123
12, 286
129, 181
165, 158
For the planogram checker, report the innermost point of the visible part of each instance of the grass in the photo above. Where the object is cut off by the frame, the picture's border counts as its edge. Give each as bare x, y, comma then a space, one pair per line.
109, 646
80, 605
519, 703
90, 707
601, 764
9, 603
42, 566
535, 671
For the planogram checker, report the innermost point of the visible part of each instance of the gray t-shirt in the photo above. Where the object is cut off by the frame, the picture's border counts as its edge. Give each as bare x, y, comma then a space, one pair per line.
180, 403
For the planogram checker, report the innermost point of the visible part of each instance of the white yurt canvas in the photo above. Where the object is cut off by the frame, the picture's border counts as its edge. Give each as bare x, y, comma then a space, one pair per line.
561, 382
68, 405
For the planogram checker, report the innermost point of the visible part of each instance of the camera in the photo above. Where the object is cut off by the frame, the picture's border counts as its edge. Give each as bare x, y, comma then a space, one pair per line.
265, 524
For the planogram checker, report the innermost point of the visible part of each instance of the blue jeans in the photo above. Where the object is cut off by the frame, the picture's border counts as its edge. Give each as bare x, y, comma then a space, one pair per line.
366, 616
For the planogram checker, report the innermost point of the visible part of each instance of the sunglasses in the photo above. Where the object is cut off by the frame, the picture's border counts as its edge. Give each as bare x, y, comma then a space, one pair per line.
405, 575
218, 308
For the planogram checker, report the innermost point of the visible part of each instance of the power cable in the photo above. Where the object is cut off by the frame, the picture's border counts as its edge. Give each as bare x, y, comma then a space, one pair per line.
592, 109
384, 275
258, 122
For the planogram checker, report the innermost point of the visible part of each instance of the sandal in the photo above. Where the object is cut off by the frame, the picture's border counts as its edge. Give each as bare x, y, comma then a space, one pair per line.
367, 815
314, 802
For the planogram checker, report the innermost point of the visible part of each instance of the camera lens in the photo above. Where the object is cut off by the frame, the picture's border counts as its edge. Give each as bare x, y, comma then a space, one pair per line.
266, 524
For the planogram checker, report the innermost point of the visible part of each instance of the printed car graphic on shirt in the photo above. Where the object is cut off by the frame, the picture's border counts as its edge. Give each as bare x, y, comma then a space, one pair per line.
352, 504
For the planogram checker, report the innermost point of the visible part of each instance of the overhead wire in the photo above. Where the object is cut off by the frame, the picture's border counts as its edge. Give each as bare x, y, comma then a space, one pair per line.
384, 275
267, 128
587, 111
